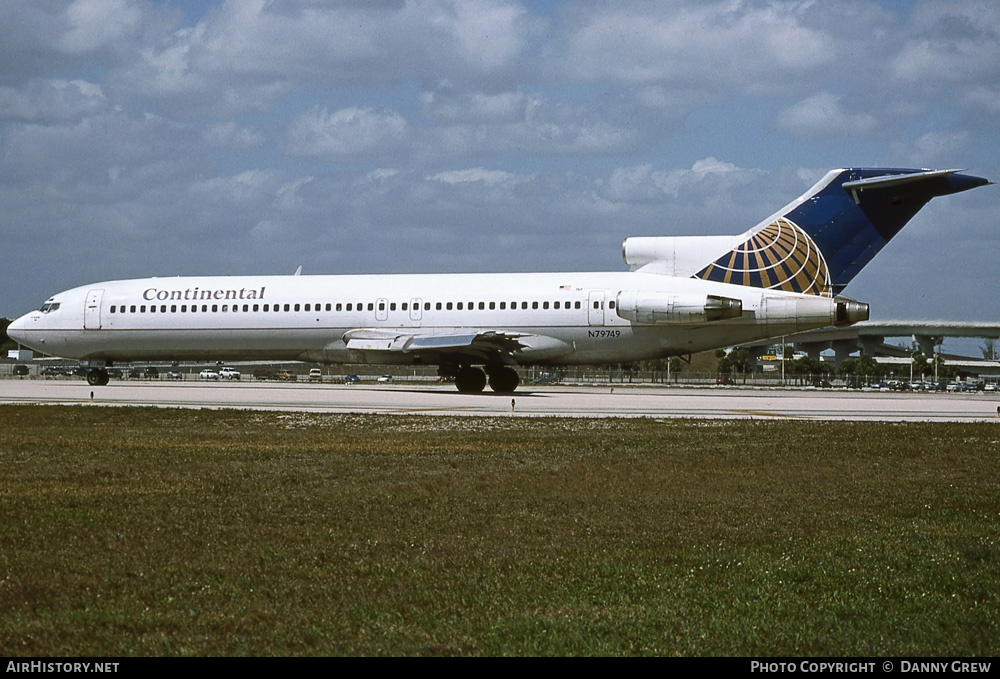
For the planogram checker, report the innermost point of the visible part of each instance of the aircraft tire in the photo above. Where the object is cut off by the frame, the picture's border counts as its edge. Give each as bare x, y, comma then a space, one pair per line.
97, 378
504, 380
470, 380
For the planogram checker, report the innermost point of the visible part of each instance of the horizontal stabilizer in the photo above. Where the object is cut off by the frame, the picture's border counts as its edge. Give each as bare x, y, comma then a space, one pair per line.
958, 183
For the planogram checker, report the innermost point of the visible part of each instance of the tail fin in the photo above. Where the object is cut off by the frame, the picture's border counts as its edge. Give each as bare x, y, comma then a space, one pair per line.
819, 242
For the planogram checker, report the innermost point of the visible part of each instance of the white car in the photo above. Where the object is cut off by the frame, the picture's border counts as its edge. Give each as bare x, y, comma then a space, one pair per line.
229, 373
385, 378
209, 374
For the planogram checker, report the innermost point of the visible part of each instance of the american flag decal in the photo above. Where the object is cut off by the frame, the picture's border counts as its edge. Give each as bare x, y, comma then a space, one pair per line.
781, 256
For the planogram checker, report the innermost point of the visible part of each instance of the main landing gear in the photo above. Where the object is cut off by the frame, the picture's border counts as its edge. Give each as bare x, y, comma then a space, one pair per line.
502, 380
97, 377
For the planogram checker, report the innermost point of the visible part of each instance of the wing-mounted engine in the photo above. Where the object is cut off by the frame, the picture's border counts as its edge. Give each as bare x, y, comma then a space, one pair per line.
640, 306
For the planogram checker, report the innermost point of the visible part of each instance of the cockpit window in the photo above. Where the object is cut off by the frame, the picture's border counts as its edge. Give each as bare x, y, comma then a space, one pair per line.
49, 306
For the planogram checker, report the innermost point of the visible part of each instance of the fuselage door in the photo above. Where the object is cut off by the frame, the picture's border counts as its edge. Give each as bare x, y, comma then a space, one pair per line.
595, 308
415, 312
92, 310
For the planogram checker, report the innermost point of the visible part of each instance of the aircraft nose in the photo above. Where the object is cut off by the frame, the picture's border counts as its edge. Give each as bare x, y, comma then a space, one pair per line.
16, 330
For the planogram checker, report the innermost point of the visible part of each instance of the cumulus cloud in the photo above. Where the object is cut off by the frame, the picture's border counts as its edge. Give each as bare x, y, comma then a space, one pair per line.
480, 175
951, 42
482, 135
381, 174
468, 122
349, 131
244, 55
744, 45
289, 195
986, 99
642, 182
231, 135
445, 104
238, 188
50, 101
94, 24
823, 115
933, 148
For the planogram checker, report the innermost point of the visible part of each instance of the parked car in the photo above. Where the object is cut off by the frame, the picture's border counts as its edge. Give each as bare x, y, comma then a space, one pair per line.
264, 374
209, 374
351, 379
228, 373
385, 378
20, 370
53, 370
315, 375
284, 375
546, 378
151, 372
175, 375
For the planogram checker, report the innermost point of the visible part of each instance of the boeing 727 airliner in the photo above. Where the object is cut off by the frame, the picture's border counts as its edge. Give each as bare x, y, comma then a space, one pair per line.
681, 295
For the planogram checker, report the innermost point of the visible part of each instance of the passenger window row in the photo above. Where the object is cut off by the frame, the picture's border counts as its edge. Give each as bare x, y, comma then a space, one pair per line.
341, 306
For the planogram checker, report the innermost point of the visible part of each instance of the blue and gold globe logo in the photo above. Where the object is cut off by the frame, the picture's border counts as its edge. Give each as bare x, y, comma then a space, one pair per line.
781, 256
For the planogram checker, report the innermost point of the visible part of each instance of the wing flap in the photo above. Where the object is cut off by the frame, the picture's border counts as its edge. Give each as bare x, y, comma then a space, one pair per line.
438, 342
480, 345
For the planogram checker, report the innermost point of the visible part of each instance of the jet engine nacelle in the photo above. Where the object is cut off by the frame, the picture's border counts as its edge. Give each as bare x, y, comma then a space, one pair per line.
675, 255
789, 313
661, 307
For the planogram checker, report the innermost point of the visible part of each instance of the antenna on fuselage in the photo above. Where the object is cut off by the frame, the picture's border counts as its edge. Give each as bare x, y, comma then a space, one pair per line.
298, 271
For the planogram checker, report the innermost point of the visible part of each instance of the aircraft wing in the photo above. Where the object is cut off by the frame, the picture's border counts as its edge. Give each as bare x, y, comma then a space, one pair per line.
472, 345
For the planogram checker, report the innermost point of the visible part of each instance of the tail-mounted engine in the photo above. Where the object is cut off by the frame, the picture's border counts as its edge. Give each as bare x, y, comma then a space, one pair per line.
661, 307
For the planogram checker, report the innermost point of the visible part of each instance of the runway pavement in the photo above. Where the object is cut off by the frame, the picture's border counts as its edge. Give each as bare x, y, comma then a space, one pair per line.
556, 400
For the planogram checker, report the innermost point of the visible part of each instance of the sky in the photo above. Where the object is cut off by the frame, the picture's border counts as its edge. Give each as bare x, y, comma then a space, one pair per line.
163, 138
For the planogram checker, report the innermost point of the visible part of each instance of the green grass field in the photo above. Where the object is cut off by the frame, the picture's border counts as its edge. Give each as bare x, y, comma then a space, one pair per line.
128, 531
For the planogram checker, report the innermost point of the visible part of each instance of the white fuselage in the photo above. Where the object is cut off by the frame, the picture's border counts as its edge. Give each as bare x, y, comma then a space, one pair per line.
573, 317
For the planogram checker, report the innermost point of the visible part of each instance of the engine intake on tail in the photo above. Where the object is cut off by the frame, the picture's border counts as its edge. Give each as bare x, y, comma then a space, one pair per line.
652, 307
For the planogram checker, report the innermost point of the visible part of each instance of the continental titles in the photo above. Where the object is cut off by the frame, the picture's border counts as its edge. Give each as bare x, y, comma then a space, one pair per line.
156, 294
